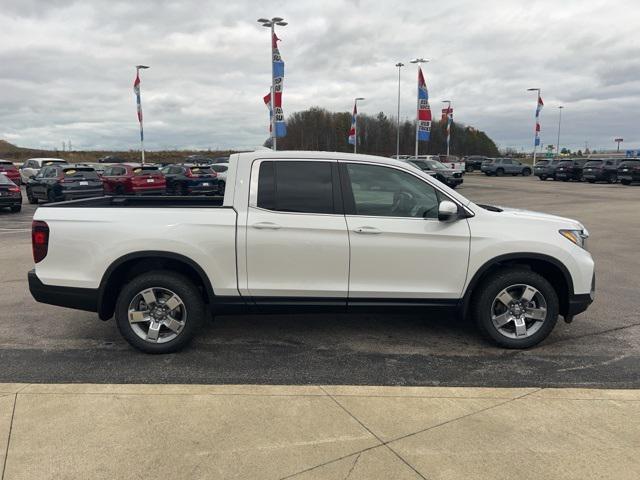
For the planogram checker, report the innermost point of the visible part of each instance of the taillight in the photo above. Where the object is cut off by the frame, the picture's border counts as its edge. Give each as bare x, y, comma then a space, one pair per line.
39, 240
15, 189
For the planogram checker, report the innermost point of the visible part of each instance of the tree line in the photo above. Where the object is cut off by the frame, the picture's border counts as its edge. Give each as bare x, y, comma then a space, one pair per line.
319, 129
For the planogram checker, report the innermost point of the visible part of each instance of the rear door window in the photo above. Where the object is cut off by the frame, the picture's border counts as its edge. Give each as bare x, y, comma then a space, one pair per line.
296, 186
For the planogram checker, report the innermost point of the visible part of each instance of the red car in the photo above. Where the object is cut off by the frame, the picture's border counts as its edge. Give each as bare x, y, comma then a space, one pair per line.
133, 179
10, 171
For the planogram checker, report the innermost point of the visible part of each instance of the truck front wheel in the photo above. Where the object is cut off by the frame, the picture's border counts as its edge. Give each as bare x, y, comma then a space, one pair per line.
159, 311
516, 308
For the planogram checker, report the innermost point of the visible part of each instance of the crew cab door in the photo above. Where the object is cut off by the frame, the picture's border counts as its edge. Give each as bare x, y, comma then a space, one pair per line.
297, 243
399, 248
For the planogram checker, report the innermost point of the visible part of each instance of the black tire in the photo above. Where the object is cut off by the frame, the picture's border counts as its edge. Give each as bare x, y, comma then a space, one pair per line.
542, 177
221, 187
612, 178
16, 208
482, 305
470, 169
526, 172
183, 287
591, 181
51, 197
500, 172
565, 179
32, 200
625, 182
184, 191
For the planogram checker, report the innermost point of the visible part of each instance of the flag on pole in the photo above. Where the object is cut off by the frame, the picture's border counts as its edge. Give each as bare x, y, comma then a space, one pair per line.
277, 71
136, 89
352, 130
538, 108
447, 120
424, 110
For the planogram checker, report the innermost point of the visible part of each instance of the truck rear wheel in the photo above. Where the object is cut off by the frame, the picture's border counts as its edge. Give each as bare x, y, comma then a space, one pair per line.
516, 308
159, 311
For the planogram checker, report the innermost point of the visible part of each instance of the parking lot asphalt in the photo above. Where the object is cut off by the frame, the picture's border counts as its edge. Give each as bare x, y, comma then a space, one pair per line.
601, 348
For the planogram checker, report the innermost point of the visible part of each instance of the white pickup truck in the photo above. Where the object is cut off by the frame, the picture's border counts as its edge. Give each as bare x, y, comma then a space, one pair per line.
310, 231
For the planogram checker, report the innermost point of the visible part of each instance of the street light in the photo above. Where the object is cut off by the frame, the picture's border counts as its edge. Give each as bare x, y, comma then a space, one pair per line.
399, 65
448, 102
355, 124
535, 143
271, 25
560, 107
418, 61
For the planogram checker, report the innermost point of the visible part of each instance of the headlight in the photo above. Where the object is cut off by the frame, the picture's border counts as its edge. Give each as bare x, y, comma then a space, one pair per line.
579, 237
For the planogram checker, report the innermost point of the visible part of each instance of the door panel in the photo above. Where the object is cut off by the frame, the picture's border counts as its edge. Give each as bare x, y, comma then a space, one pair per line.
296, 238
399, 249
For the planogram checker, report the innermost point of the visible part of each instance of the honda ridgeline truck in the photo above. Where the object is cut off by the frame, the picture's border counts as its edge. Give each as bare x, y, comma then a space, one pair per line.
300, 231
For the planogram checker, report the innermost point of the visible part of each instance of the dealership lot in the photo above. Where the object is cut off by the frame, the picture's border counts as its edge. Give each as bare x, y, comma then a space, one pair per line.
41, 343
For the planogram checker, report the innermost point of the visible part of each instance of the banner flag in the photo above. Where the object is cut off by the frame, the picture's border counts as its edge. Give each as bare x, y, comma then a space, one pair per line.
352, 130
277, 72
136, 89
424, 110
538, 109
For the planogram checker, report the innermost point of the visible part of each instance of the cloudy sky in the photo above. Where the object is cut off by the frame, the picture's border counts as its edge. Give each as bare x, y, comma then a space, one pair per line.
67, 67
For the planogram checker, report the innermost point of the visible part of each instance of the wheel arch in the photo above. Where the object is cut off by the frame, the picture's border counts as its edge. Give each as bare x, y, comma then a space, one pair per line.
129, 266
549, 267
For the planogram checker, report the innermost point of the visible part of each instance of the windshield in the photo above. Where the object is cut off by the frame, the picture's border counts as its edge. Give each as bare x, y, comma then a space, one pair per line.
4, 180
593, 163
78, 173
490, 160
566, 163
145, 170
421, 164
542, 162
435, 165
52, 162
219, 168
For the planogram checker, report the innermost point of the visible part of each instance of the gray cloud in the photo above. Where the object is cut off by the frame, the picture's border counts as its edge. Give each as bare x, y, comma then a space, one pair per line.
67, 67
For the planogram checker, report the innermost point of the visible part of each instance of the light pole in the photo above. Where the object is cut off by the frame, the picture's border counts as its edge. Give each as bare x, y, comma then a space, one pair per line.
399, 65
136, 89
537, 134
418, 61
618, 141
559, 124
271, 25
355, 124
448, 102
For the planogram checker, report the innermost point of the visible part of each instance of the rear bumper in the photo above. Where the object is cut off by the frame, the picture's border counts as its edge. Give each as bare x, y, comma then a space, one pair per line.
149, 191
9, 201
70, 297
630, 177
71, 195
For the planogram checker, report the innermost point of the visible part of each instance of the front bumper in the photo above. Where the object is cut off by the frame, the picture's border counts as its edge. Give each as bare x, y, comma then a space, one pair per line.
453, 182
579, 303
70, 297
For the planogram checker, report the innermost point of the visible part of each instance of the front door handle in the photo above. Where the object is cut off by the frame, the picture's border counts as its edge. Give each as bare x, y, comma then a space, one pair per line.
266, 226
368, 230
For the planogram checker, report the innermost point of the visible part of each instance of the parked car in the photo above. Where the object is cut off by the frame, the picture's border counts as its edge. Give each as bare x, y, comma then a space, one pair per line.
10, 195
453, 162
474, 162
221, 169
111, 159
190, 180
570, 169
502, 166
9, 170
629, 171
32, 166
133, 179
321, 230
545, 169
601, 170
58, 182
450, 177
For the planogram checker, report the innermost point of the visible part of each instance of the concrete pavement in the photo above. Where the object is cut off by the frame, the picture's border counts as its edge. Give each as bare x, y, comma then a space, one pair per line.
79, 431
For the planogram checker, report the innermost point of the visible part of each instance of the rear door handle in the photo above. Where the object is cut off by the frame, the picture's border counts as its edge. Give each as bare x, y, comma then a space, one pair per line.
368, 230
266, 226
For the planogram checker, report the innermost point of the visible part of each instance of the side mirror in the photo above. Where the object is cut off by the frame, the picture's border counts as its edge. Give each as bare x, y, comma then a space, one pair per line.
447, 211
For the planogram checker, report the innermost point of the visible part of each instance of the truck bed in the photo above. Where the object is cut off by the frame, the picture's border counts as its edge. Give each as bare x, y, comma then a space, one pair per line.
149, 201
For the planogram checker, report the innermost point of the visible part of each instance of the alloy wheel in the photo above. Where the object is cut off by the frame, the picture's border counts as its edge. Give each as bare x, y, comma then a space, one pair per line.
157, 315
518, 311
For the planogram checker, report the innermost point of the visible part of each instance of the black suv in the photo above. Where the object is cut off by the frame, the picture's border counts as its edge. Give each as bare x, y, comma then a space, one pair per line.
601, 170
474, 162
570, 169
629, 171
189, 179
546, 169
64, 182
